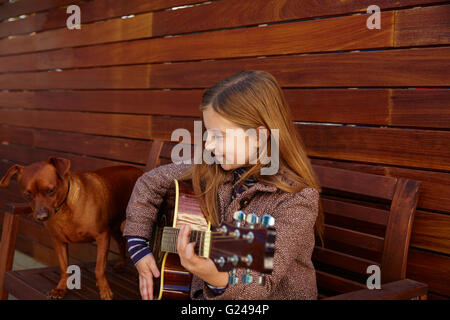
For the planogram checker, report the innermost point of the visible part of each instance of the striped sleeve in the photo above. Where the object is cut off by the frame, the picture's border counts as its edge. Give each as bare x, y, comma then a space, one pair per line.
137, 248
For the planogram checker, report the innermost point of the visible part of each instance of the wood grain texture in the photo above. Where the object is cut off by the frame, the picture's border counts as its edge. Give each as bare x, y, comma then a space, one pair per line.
350, 33
419, 67
390, 107
373, 101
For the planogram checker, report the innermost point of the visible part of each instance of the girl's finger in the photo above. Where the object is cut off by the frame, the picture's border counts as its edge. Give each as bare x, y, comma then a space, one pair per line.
189, 250
150, 288
182, 239
142, 288
155, 270
153, 267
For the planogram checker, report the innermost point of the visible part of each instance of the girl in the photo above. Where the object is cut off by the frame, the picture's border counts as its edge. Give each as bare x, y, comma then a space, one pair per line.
246, 100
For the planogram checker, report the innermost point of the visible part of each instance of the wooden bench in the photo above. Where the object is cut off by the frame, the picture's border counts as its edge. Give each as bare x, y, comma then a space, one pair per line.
368, 222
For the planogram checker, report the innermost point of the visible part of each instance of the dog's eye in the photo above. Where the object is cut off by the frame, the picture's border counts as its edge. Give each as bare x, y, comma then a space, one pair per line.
28, 196
50, 192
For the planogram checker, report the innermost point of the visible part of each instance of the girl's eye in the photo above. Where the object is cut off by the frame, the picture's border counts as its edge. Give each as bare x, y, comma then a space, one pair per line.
51, 191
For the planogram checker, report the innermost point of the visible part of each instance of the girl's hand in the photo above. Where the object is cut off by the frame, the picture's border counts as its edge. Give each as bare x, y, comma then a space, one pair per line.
205, 269
147, 270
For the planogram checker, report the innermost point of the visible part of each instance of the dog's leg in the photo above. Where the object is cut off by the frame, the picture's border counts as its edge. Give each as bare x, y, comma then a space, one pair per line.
121, 243
61, 249
100, 268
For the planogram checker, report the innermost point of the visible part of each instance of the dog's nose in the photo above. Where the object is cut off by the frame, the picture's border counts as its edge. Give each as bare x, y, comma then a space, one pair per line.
42, 215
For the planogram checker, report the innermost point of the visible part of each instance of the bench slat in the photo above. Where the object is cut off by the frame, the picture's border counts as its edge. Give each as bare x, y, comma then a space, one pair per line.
354, 238
356, 182
337, 283
342, 260
355, 211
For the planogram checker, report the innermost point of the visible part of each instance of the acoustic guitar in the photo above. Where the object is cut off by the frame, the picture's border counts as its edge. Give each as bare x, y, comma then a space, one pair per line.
230, 246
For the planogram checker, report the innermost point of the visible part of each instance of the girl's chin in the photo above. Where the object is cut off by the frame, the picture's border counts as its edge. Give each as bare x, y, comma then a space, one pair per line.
228, 167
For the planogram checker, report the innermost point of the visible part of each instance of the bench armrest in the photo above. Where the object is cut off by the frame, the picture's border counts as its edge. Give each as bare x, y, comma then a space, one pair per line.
397, 290
18, 208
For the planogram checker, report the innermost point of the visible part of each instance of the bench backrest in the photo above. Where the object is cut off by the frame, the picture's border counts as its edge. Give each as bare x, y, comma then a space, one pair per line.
368, 221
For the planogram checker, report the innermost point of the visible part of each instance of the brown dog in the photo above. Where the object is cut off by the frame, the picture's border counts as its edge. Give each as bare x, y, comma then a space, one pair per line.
78, 207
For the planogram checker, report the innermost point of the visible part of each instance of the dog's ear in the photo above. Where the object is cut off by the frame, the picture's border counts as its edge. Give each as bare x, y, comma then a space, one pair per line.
62, 165
14, 171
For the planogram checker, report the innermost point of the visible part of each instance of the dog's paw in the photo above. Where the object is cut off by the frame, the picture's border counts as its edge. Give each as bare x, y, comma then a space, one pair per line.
106, 294
57, 293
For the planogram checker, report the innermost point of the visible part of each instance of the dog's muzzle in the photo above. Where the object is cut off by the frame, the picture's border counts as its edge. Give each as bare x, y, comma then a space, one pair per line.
42, 215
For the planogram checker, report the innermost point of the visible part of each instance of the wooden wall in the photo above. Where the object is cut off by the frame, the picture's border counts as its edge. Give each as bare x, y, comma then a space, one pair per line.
367, 100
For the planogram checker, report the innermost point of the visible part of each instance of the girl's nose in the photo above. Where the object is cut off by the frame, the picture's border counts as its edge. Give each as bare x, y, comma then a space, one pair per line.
209, 144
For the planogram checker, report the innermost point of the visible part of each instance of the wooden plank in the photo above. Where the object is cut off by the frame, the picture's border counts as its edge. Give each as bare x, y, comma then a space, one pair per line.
45, 279
124, 289
213, 16
430, 268
28, 292
430, 231
396, 290
88, 288
420, 108
10, 227
205, 16
302, 37
355, 211
356, 182
398, 231
342, 260
336, 283
352, 224
134, 126
434, 189
91, 11
111, 148
419, 148
354, 238
16, 135
26, 155
387, 146
35, 283
132, 29
434, 296
149, 102
417, 67
395, 107
423, 26
13, 9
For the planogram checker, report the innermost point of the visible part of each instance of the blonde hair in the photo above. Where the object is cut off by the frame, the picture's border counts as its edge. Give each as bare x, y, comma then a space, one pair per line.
251, 99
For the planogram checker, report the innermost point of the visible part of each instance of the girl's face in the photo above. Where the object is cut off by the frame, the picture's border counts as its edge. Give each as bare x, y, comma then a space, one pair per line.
231, 145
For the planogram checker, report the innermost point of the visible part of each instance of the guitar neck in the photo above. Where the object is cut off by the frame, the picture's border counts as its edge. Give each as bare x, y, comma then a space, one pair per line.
202, 241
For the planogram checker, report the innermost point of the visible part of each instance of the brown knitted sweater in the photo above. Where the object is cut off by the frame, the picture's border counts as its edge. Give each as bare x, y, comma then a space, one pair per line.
293, 275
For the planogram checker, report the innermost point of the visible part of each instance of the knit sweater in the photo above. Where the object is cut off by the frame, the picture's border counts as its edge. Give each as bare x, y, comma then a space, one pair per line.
293, 275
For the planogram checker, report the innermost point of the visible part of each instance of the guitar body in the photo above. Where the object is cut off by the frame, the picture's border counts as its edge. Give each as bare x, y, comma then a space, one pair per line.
229, 246
179, 207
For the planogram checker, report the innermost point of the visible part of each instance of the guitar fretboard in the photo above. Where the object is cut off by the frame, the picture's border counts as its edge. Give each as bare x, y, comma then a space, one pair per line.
202, 241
